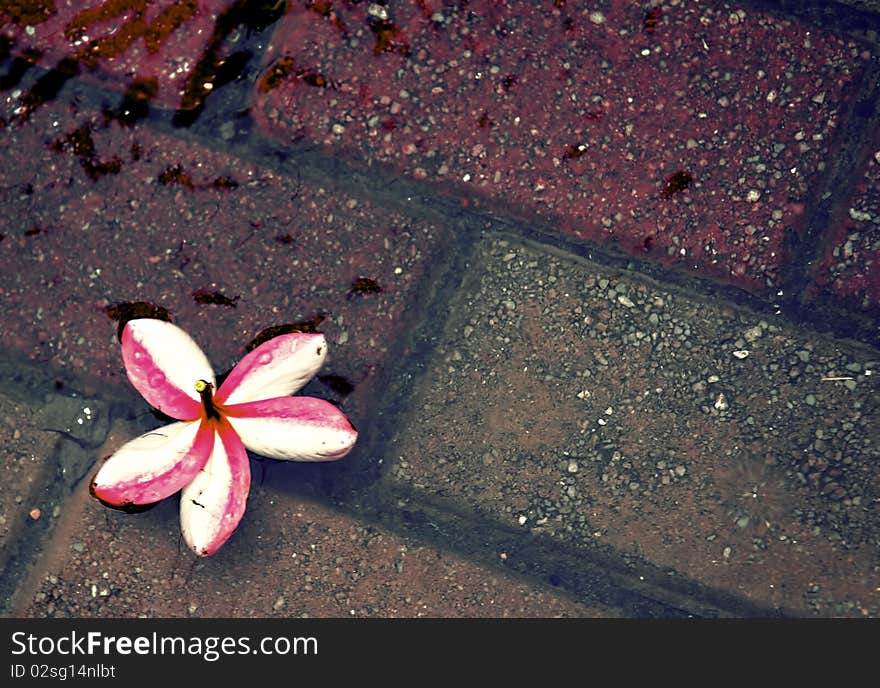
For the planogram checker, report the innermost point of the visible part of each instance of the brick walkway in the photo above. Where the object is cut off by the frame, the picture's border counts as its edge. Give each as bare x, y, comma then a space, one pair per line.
599, 283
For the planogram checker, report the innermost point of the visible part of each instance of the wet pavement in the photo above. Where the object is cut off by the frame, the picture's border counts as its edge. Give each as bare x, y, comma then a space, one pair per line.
599, 285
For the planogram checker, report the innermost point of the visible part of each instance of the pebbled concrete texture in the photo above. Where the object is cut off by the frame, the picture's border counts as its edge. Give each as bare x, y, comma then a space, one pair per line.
598, 282
575, 403
224, 245
322, 563
153, 47
849, 268
27, 473
689, 132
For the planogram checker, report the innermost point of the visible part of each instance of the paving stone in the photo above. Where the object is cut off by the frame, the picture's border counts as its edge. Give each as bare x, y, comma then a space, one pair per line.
52, 435
567, 410
291, 557
614, 415
149, 49
692, 134
229, 247
102, 213
27, 507
850, 267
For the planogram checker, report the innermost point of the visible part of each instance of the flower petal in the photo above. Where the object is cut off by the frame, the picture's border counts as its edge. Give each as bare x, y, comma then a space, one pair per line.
154, 465
164, 363
298, 428
276, 368
212, 505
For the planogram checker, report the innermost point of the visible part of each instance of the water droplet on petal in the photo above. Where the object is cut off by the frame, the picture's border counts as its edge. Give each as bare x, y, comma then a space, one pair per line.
264, 358
138, 355
157, 377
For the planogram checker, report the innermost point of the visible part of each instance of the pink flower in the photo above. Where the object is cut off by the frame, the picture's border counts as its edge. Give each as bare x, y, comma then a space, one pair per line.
204, 454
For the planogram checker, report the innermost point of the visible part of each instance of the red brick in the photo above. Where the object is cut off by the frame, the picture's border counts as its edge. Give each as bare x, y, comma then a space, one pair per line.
588, 118
850, 268
175, 218
116, 42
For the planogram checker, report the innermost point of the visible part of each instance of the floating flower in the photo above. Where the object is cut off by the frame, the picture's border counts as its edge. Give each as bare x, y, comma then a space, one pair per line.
204, 454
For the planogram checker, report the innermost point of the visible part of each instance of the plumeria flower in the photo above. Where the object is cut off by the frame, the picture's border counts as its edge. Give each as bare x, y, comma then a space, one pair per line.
204, 454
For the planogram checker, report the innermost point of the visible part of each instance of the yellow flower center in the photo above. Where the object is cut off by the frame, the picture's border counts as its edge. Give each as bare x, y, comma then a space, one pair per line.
204, 388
